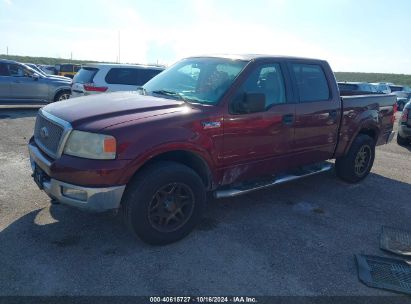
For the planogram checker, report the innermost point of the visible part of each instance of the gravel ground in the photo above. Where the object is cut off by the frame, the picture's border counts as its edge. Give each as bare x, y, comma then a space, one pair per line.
295, 239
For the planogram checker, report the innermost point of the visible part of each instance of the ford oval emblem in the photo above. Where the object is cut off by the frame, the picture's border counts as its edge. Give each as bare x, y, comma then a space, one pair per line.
44, 133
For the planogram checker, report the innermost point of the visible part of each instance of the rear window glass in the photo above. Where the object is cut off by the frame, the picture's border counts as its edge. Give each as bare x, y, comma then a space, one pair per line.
396, 88
311, 81
130, 76
66, 68
85, 75
347, 87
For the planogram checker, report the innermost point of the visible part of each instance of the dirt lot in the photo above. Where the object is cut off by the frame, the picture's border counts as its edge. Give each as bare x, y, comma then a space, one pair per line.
294, 239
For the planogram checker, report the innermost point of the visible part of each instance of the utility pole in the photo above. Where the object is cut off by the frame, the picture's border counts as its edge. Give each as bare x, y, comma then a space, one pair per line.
71, 56
119, 47
7, 51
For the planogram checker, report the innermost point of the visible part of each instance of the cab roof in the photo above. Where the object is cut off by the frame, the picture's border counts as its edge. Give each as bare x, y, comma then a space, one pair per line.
251, 57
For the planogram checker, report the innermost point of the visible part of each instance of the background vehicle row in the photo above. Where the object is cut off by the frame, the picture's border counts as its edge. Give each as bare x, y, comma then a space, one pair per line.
21, 84
100, 78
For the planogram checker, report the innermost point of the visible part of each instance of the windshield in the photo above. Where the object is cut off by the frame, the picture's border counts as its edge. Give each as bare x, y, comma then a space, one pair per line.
200, 80
35, 69
396, 88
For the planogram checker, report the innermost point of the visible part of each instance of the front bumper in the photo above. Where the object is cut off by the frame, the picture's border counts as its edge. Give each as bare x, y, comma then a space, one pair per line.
92, 198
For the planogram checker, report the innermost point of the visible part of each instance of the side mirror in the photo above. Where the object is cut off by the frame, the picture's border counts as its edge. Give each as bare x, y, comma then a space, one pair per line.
250, 103
35, 76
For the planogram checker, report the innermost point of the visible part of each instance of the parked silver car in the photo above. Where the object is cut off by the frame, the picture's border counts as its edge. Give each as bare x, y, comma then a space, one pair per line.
21, 84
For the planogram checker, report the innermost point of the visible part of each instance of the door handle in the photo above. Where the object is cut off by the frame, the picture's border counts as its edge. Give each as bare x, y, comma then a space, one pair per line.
288, 119
333, 114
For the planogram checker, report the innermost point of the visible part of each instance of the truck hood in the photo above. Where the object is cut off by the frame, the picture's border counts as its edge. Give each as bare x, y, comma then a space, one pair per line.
111, 108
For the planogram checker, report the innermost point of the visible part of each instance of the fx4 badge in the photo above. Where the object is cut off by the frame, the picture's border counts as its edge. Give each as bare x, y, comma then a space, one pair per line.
211, 124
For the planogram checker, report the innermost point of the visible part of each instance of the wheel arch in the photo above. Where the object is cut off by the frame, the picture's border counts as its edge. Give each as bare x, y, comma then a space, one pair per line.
185, 157
60, 90
367, 128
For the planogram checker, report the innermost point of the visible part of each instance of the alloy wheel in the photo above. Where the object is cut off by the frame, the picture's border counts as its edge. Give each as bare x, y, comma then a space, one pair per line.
171, 207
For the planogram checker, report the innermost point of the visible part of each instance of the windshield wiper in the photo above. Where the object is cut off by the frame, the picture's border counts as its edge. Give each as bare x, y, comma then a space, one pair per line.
169, 93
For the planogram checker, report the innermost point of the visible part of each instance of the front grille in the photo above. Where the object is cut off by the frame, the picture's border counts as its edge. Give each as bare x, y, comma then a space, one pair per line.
47, 135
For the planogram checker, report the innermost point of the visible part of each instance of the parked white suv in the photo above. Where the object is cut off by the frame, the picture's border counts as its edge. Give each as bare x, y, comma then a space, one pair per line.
100, 78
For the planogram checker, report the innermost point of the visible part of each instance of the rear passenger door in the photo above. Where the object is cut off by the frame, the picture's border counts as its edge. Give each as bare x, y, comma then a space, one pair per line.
317, 111
5, 80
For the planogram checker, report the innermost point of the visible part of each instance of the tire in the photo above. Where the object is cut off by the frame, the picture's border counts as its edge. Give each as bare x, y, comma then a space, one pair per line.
149, 199
401, 140
63, 95
357, 163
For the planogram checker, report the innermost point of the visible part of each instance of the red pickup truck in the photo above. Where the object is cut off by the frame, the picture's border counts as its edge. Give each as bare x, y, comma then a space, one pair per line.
221, 124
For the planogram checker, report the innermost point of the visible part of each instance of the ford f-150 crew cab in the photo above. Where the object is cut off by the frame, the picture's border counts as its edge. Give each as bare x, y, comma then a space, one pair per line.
221, 124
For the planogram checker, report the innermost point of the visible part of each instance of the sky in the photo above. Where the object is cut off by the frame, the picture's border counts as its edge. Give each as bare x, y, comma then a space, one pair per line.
352, 35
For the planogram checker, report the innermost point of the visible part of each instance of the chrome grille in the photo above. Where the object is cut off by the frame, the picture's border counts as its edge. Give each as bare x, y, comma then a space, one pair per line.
48, 135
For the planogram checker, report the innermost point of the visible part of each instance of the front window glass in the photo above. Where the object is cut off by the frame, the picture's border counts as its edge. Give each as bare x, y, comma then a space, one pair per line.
16, 70
200, 80
267, 80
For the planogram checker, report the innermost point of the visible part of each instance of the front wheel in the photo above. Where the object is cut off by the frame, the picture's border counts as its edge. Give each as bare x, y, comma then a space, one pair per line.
62, 96
164, 202
357, 164
401, 140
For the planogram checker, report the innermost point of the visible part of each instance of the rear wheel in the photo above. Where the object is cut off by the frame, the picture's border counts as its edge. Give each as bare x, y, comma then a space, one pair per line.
164, 202
402, 141
357, 164
62, 96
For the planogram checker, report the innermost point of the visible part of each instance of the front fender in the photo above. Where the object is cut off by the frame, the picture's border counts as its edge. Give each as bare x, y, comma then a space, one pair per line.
195, 150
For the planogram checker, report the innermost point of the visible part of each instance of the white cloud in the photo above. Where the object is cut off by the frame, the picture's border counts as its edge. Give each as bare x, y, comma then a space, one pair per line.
211, 29
214, 31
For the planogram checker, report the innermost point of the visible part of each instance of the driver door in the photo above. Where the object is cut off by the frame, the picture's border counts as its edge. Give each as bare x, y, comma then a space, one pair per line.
259, 143
24, 86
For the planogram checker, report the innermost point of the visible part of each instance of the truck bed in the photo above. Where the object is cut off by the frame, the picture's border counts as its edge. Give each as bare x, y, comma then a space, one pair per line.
356, 113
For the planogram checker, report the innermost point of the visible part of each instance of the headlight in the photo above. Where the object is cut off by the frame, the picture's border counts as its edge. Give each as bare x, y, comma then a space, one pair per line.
91, 145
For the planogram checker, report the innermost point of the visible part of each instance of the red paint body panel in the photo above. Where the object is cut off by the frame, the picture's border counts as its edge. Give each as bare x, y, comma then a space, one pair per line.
239, 148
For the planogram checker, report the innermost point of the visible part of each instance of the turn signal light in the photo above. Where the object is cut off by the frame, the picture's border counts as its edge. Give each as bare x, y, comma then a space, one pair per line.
110, 145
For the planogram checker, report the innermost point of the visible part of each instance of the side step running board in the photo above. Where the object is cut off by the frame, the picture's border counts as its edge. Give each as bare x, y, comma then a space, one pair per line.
276, 180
